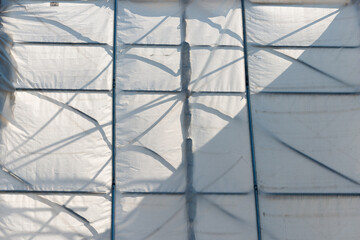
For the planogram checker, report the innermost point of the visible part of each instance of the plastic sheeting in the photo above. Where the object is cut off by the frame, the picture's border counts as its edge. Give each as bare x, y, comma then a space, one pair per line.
69, 22
62, 67
187, 128
34, 216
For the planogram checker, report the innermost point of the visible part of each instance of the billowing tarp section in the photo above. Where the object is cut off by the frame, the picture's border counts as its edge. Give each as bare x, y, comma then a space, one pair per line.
177, 119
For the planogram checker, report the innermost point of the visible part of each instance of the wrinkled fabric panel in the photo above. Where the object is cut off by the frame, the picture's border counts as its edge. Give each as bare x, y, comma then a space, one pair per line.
41, 217
148, 22
304, 69
225, 217
213, 22
317, 134
219, 69
299, 25
149, 143
62, 67
58, 142
150, 217
69, 22
220, 133
148, 68
306, 218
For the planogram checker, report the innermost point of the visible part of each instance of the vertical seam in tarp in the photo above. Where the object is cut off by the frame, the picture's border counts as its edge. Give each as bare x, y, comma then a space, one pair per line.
256, 194
113, 184
190, 194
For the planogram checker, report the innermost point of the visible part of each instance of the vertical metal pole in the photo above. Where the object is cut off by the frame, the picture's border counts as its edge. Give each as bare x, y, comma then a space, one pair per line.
256, 193
190, 194
113, 184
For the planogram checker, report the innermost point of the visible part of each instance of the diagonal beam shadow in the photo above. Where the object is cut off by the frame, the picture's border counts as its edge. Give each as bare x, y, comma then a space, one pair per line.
52, 22
55, 206
304, 27
317, 162
220, 29
151, 153
146, 150
137, 138
72, 139
152, 63
283, 55
76, 111
221, 209
149, 105
56, 114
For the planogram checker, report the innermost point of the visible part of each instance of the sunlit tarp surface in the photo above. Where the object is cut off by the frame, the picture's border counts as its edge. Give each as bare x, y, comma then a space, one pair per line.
181, 120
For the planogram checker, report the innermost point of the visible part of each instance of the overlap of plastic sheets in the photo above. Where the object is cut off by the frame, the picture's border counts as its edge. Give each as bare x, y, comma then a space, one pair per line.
180, 147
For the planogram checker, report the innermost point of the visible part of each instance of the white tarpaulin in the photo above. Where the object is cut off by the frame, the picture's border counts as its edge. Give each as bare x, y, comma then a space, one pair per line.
181, 120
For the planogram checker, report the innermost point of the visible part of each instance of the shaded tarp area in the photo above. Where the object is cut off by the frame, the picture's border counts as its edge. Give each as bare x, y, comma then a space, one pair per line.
199, 119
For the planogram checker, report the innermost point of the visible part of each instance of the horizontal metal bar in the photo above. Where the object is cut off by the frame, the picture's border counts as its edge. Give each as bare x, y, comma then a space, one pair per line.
216, 46
308, 93
216, 93
152, 193
60, 90
223, 193
51, 192
179, 91
151, 91
301, 47
177, 45
64, 43
310, 194
183, 193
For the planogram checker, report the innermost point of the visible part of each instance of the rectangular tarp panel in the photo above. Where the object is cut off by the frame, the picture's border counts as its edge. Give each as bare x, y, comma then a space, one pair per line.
60, 217
149, 143
148, 22
56, 141
303, 25
307, 143
66, 22
310, 217
304, 69
62, 66
214, 22
148, 68
150, 217
217, 69
220, 133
